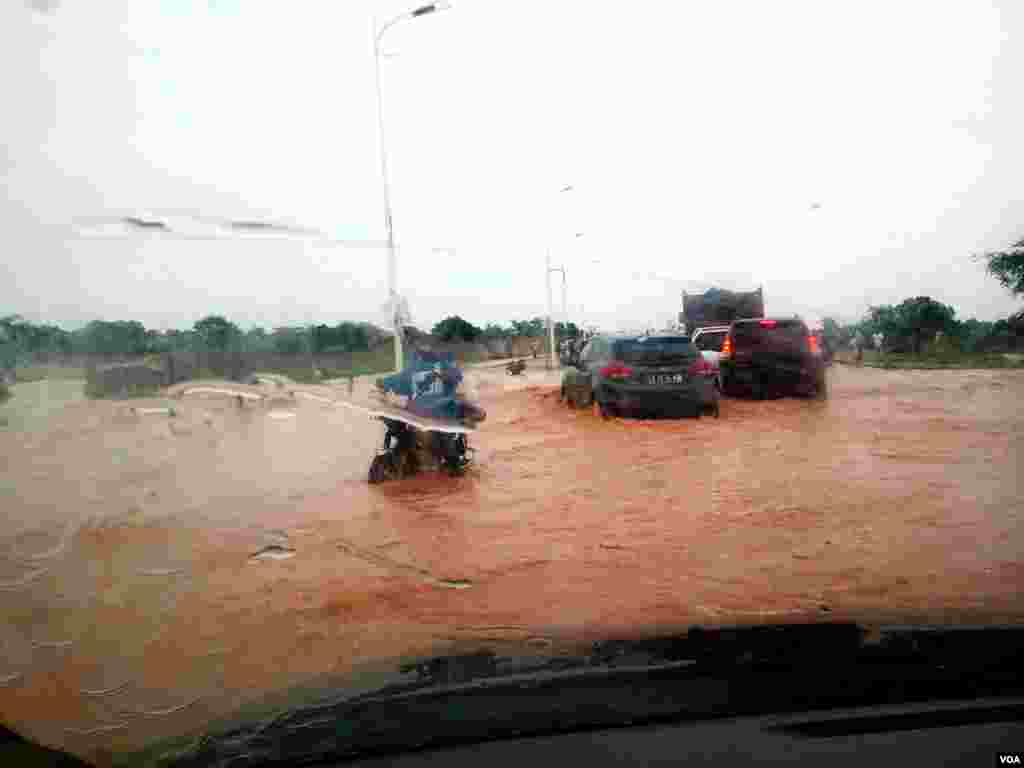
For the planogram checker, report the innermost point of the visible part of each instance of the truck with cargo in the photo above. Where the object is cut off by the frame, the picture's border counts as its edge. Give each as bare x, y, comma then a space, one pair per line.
718, 307
706, 318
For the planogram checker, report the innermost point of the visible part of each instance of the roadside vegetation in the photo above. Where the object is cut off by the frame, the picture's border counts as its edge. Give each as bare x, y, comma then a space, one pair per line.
215, 347
950, 361
455, 328
918, 332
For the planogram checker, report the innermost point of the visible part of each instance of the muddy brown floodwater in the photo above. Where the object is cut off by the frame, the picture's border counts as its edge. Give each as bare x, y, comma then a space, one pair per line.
158, 572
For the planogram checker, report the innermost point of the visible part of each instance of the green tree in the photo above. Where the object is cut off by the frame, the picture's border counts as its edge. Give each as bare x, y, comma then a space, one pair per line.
908, 326
180, 340
566, 330
972, 335
113, 338
291, 341
1007, 267
257, 339
535, 327
156, 342
214, 332
1006, 333
323, 338
11, 345
343, 337
923, 318
359, 336
495, 331
454, 328
34, 338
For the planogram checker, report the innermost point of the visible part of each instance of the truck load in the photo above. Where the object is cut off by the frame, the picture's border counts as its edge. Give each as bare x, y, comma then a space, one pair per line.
718, 307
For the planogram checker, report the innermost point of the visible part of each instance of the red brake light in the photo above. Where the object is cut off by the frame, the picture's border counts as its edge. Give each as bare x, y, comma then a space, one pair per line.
767, 323
616, 370
727, 346
812, 343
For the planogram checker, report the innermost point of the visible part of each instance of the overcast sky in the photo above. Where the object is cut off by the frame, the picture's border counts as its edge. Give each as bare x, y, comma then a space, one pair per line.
840, 154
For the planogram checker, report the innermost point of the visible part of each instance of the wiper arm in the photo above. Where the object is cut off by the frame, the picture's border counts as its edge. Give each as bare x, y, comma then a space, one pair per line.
706, 673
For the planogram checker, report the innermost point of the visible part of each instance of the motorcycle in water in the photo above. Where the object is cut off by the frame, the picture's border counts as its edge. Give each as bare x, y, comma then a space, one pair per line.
432, 430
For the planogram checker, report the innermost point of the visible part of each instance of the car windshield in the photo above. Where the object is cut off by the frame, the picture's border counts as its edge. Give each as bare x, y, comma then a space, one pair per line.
341, 338
654, 350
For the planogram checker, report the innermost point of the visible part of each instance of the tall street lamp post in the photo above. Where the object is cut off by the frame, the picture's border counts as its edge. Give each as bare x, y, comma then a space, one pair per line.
397, 322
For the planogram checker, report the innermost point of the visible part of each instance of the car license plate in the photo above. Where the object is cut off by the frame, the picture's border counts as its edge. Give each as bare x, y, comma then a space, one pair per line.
667, 378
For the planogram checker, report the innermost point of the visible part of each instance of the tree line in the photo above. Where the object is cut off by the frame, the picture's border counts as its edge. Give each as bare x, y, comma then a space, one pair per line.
908, 326
455, 328
921, 324
22, 341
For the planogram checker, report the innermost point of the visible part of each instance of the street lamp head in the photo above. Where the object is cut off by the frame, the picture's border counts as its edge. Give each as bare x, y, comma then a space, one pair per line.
145, 224
423, 10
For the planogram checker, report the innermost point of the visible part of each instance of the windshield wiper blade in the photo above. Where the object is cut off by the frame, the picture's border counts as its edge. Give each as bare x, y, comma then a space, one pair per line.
706, 673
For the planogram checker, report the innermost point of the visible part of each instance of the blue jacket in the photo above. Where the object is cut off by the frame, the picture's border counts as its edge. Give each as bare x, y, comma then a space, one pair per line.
430, 385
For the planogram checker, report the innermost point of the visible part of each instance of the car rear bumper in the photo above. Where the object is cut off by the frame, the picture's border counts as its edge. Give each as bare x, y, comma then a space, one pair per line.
699, 392
782, 375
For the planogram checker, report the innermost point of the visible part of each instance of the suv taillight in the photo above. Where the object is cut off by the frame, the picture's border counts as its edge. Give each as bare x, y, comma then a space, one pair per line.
812, 344
727, 347
616, 370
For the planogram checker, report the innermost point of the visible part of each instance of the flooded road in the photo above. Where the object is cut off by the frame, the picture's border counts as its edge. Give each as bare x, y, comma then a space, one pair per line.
158, 571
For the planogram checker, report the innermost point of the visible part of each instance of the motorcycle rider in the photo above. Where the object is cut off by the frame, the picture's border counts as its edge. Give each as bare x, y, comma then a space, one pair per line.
431, 385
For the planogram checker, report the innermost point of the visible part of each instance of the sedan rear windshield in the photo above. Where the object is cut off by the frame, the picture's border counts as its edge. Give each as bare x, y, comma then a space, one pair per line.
655, 350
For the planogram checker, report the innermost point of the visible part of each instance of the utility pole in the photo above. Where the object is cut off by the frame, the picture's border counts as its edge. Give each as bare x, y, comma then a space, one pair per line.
551, 326
565, 307
565, 310
552, 359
